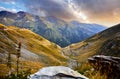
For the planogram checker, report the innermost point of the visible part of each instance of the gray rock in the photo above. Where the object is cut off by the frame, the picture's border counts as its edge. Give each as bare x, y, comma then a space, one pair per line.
57, 72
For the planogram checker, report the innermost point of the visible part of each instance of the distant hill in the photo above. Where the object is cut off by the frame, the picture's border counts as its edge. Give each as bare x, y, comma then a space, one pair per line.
106, 42
54, 29
36, 51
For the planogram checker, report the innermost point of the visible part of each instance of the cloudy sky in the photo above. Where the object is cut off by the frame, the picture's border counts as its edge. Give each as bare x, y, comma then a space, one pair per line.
104, 12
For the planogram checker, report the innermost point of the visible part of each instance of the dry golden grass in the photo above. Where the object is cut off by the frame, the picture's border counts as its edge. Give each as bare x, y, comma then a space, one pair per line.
3, 69
49, 53
23, 65
37, 44
87, 70
33, 66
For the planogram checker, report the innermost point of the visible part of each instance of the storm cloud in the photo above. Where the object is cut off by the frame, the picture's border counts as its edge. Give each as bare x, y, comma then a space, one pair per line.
57, 8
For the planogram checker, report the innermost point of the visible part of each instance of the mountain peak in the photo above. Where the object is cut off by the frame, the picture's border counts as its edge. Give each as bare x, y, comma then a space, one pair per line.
21, 12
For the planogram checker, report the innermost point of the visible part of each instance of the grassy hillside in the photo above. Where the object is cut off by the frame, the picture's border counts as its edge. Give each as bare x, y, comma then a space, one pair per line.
93, 45
36, 52
111, 47
106, 42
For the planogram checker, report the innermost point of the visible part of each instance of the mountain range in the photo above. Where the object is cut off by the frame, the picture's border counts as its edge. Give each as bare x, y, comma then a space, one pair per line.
52, 28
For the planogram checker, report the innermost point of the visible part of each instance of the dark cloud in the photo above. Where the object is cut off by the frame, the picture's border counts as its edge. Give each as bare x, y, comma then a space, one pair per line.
58, 8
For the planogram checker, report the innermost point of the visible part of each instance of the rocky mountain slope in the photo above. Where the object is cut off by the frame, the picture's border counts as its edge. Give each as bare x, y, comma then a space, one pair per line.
54, 29
111, 47
106, 42
35, 52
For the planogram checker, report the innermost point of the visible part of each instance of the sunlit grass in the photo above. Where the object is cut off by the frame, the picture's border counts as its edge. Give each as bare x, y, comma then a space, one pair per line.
87, 70
49, 54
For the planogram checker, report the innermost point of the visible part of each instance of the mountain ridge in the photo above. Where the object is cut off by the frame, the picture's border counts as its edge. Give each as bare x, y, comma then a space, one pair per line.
95, 45
52, 28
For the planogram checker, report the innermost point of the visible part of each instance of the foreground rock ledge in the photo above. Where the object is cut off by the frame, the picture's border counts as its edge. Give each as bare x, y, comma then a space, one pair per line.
57, 72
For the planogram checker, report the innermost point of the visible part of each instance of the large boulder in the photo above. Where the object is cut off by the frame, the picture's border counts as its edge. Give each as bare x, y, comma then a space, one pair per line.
57, 72
108, 65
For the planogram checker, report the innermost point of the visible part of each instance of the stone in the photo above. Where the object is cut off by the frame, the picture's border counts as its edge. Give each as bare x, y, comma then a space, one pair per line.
57, 72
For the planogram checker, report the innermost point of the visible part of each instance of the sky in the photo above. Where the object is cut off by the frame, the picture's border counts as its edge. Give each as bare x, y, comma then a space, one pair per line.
104, 12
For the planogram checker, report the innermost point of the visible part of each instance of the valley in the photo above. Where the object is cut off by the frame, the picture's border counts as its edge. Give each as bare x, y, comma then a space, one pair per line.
37, 52
59, 39
96, 44
49, 41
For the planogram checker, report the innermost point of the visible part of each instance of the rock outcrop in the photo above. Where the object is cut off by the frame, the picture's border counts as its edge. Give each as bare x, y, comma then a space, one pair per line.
57, 72
107, 65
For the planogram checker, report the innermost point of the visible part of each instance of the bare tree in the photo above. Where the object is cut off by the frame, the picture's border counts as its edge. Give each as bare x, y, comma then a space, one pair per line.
9, 62
18, 56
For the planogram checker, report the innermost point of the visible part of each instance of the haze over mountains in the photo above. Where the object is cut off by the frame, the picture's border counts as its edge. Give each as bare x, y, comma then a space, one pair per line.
52, 28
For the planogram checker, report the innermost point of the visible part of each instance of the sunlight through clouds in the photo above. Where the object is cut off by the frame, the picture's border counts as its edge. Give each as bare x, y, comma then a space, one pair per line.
77, 12
105, 12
